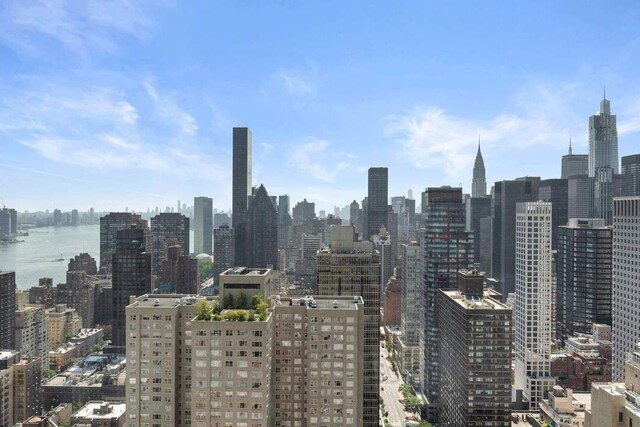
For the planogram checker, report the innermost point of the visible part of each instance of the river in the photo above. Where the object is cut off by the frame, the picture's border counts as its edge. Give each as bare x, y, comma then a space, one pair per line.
38, 255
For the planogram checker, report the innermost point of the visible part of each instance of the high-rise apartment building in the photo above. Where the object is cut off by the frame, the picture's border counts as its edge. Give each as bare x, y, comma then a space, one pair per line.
242, 189
506, 195
631, 175
223, 250
32, 333
304, 212
27, 394
583, 271
109, 226
603, 159
574, 164
262, 231
532, 311
7, 309
411, 312
447, 249
8, 221
203, 225
131, 275
626, 280
179, 271
351, 268
479, 183
298, 364
7, 359
164, 228
79, 293
475, 336
377, 201
83, 262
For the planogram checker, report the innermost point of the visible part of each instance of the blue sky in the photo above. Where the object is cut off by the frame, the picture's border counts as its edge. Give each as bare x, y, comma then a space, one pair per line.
131, 103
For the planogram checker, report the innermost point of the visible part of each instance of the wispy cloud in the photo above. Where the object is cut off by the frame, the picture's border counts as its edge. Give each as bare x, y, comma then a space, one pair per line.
296, 83
79, 27
168, 110
313, 158
99, 128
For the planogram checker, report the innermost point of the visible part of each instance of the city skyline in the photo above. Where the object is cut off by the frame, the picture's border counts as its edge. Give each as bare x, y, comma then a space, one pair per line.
104, 119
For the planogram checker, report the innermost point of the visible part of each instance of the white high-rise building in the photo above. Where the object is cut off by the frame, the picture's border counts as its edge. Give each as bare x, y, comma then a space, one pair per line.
532, 309
626, 280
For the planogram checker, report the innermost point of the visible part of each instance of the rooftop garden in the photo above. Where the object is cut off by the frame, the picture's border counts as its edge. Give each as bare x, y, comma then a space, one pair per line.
233, 309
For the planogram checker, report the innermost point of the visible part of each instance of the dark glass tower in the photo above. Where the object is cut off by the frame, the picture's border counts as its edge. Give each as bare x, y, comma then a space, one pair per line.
262, 231
164, 227
377, 201
7, 309
583, 271
506, 195
631, 175
556, 191
109, 226
448, 248
241, 191
131, 275
223, 250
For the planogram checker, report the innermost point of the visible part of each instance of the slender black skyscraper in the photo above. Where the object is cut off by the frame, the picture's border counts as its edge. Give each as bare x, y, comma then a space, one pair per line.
262, 231
377, 201
131, 275
631, 175
479, 184
241, 191
7, 309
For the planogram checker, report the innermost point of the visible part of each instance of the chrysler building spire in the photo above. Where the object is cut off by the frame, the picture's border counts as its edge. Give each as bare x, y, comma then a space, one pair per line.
479, 183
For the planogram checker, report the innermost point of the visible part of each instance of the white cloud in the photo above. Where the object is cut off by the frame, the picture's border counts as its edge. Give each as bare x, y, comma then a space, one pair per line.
295, 83
313, 158
79, 26
430, 137
168, 110
266, 147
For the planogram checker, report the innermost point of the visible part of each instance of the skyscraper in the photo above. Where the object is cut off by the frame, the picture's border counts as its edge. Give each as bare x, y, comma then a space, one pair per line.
262, 231
479, 183
476, 385
556, 192
583, 271
574, 164
478, 208
109, 226
304, 212
242, 179
507, 195
179, 270
626, 280
79, 293
131, 275
202, 225
532, 311
603, 158
631, 175
223, 250
164, 227
411, 312
7, 309
448, 248
377, 201
284, 216
352, 268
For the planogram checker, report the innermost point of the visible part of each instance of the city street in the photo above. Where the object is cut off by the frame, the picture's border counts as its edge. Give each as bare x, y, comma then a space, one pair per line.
390, 393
